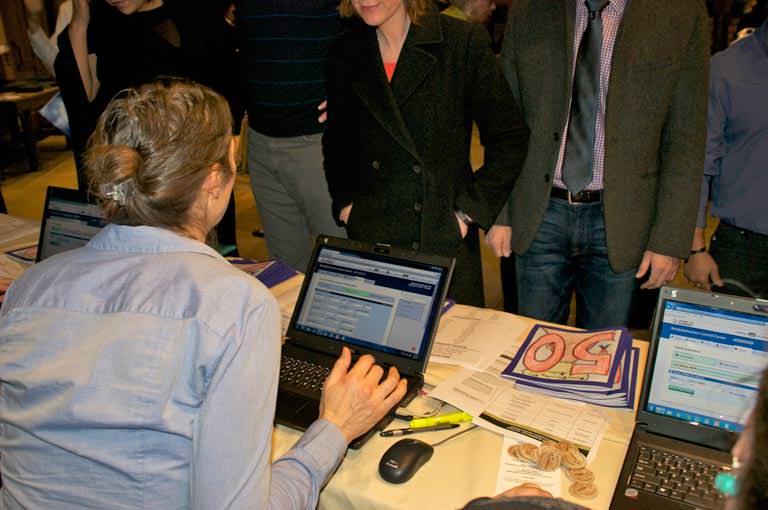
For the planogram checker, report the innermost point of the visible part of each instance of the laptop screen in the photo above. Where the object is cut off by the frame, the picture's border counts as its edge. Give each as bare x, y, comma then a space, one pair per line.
708, 364
70, 220
372, 300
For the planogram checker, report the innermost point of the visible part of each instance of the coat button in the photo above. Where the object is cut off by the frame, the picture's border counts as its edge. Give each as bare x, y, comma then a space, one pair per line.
415, 245
546, 177
416, 169
417, 207
375, 164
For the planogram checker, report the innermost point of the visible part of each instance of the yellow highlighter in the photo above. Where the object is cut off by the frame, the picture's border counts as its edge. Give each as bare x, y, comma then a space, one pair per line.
431, 421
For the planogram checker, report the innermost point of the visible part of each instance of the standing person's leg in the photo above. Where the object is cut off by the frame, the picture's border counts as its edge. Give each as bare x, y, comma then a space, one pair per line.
509, 283
545, 272
311, 190
287, 175
741, 255
603, 297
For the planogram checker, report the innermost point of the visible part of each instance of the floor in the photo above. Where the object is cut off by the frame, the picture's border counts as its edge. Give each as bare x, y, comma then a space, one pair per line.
24, 194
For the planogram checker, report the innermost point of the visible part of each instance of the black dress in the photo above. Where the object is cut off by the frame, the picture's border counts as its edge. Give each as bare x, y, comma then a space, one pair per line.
182, 38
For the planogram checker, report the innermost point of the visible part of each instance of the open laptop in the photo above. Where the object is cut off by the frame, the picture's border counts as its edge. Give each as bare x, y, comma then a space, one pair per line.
70, 220
372, 298
704, 365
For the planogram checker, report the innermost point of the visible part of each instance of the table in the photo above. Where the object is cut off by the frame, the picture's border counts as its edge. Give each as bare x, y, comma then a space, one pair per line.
461, 469
22, 105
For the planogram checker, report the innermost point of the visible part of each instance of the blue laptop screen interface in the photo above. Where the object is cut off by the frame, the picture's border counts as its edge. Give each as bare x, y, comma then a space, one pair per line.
69, 224
708, 364
372, 301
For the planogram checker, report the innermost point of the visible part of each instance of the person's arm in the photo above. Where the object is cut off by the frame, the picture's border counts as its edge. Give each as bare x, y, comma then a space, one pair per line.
682, 143
78, 38
354, 399
339, 159
81, 115
232, 436
681, 160
503, 133
499, 236
701, 269
43, 46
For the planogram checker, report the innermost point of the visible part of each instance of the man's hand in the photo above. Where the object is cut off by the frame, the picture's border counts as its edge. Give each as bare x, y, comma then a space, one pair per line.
353, 399
702, 270
499, 238
526, 489
344, 214
663, 269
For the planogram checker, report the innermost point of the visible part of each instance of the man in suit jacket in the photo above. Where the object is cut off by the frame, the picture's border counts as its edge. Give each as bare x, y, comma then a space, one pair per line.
639, 209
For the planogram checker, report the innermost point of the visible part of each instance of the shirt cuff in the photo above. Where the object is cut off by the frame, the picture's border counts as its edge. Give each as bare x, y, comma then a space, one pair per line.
321, 449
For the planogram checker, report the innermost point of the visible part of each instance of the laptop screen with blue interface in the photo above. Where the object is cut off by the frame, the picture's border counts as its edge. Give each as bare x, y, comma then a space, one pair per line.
708, 364
371, 300
70, 220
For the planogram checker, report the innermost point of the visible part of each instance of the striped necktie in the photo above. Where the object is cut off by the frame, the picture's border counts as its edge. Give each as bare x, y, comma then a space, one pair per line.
580, 142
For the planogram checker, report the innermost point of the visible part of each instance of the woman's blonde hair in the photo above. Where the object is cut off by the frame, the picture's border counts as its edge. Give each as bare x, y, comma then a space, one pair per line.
415, 8
152, 148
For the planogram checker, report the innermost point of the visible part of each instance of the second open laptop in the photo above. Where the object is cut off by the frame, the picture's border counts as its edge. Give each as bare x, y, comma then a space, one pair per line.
372, 298
705, 360
70, 220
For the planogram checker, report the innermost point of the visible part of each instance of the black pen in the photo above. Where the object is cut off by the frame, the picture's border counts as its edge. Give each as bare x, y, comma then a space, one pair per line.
403, 432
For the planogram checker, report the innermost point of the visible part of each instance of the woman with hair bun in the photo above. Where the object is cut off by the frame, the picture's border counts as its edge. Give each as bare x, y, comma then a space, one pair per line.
140, 371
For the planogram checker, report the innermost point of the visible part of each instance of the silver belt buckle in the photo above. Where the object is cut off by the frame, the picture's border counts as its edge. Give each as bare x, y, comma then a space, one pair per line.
570, 199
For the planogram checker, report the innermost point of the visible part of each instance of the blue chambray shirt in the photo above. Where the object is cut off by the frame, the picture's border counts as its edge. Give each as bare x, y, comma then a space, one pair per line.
737, 135
140, 371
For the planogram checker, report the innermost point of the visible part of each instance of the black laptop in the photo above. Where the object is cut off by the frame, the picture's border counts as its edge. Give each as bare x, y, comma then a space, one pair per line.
704, 364
372, 298
70, 220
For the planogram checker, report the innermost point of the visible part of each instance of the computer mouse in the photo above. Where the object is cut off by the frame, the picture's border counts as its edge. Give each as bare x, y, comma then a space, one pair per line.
401, 461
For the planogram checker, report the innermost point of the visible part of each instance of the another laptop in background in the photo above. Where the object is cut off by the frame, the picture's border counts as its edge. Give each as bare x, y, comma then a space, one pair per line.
372, 298
704, 364
70, 220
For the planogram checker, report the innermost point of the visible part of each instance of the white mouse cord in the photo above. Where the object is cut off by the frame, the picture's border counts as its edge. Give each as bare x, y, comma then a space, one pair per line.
471, 427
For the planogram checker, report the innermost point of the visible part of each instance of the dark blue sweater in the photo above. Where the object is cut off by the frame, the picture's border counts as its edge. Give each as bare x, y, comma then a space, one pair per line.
283, 46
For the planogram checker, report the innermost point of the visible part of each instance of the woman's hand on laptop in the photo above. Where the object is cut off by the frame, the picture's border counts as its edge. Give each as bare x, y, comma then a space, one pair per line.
355, 399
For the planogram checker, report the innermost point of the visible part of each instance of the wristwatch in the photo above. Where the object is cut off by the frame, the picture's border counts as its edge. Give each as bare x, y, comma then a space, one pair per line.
464, 217
703, 249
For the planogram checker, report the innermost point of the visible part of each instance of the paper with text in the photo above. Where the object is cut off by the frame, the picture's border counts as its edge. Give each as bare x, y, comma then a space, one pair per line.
474, 337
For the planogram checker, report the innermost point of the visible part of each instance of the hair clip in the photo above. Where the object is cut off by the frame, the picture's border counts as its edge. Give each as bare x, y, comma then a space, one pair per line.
119, 192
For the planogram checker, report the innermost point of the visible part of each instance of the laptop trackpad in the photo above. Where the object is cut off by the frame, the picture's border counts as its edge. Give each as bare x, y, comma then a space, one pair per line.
296, 411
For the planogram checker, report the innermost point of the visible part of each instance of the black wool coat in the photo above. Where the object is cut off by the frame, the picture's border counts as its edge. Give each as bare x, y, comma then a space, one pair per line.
399, 151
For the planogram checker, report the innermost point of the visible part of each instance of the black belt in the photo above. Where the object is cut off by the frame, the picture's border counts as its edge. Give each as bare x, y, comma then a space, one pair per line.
582, 197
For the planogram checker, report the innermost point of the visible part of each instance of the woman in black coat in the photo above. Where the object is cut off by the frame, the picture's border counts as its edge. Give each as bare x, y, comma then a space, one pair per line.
404, 87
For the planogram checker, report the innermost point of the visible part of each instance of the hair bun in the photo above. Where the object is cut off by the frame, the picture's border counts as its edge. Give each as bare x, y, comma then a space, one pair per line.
124, 161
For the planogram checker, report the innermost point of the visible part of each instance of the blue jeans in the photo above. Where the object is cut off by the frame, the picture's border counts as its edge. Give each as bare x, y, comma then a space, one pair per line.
569, 254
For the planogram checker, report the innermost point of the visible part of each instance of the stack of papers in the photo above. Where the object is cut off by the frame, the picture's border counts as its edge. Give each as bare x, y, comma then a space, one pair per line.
597, 367
270, 272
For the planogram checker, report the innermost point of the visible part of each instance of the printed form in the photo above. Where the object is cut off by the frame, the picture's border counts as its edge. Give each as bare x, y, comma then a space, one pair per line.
474, 337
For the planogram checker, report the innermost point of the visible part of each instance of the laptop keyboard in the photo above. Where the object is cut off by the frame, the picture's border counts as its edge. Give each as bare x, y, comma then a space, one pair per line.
677, 477
303, 374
